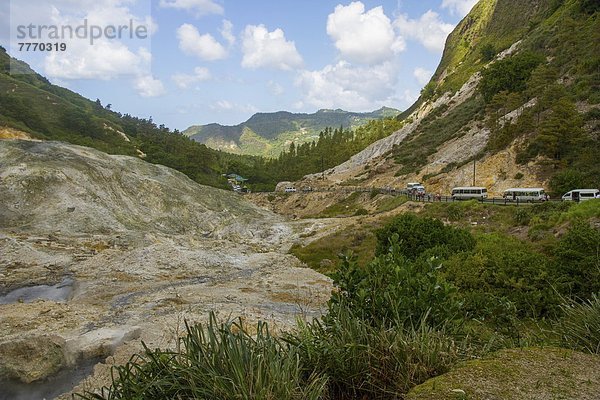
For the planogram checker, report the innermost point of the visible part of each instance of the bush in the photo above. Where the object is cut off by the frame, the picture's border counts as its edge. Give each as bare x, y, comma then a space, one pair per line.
510, 74
502, 269
392, 289
417, 234
566, 180
216, 361
363, 361
580, 327
522, 216
577, 258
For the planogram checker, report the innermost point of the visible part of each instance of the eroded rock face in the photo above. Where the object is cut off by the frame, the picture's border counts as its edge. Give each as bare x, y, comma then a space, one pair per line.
143, 249
31, 358
51, 186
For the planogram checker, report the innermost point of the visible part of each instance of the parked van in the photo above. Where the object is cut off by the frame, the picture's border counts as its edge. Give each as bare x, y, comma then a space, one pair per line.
580, 194
469, 192
418, 189
524, 194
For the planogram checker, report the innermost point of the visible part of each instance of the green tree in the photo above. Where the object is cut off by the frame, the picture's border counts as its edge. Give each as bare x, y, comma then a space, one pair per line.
416, 235
567, 179
488, 52
510, 74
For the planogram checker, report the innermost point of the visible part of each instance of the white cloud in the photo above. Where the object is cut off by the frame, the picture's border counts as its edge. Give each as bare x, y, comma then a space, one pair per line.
429, 30
226, 105
348, 86
227, 32
275, 88
363, 37
197, 7
202, 46
459, 7
423, 76
103, 59
148, 86
262, 48
184, 81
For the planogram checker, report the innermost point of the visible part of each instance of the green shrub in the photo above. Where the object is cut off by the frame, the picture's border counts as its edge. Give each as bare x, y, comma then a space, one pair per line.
577, 258
363, 361
510, 74
566, 180
488, 52
580, 327
522, 216
501, 269
392, 289
361, 211
216, 361
417, 234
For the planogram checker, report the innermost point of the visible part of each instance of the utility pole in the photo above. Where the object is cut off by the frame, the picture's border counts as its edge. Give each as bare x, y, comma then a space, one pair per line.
474, 172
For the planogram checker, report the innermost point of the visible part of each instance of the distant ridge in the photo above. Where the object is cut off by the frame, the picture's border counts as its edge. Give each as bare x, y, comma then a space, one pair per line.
268, 134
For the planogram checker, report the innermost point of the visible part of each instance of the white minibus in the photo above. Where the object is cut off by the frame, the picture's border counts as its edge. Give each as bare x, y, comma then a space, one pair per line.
580, 194
469, 192
524, 194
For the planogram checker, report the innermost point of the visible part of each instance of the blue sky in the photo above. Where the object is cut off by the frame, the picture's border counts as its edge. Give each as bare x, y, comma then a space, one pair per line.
221, 61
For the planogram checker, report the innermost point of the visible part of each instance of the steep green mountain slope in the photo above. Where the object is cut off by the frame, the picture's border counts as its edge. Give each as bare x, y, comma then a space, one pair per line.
269, 134
534, 67
30, 103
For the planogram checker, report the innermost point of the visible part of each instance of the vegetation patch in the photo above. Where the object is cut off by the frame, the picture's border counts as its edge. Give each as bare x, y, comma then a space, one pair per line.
517, 374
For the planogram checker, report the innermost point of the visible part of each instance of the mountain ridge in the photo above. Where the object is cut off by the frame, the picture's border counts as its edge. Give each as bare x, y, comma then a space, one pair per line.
275, 131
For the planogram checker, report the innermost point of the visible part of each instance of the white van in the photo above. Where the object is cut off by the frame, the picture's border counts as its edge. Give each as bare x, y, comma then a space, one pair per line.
524, 194
580, 194
469, 192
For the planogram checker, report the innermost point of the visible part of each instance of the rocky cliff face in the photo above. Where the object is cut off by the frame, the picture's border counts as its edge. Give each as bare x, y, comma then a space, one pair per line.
98, 252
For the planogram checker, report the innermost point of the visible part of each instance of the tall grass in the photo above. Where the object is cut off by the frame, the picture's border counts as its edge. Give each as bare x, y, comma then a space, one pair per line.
580, 326
366, 361
217, 361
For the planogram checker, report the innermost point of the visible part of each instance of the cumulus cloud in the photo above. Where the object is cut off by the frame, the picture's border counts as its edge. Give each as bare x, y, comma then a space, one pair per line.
148, 86
423, 76
429, 30
349, 86
204, 46
197, 7
104, 59
184, 81
363, 37
262, 48
459, 7
227, 32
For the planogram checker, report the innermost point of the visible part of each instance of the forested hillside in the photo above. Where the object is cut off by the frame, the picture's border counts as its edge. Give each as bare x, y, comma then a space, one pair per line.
269, 134
537, 68
30, 103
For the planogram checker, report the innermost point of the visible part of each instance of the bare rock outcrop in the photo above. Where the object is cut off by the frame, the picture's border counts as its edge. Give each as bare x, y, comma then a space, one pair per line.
99, 252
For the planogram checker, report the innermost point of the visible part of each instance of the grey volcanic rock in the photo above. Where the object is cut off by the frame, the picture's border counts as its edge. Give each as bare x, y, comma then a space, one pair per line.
51, 186
141, 249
